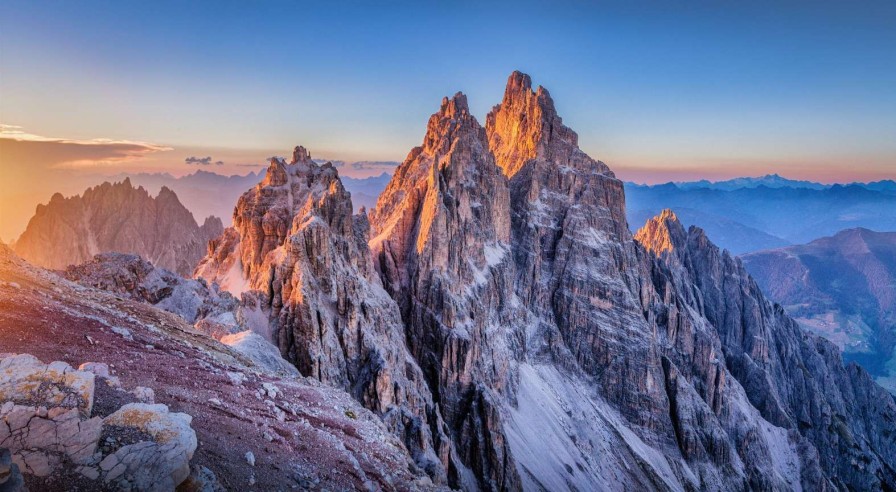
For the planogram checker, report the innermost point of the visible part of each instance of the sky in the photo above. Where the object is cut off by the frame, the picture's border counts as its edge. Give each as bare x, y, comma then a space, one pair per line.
659, 90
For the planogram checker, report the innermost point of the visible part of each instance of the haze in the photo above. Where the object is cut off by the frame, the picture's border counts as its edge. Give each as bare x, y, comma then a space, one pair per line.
91, 89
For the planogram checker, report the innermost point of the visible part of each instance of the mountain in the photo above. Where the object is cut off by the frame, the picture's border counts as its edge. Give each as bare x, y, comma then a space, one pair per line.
780, 215
768, 181
737, 238
204, 193
884, 186
842, 287
365, 191
116, 218
102, 392
499, 316
296, 249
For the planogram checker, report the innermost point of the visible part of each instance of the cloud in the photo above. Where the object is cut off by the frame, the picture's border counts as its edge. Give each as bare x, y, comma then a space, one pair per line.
202, 161
386, 166
21, 148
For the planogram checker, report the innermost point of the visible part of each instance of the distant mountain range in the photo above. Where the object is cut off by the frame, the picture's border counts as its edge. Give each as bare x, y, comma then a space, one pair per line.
769, 181
203, 193
777, 181
741, 214
767, 212
842, 287
207, 193
117, 217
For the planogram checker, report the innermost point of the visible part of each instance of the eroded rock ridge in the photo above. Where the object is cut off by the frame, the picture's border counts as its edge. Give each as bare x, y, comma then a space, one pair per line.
496, 311
116, 218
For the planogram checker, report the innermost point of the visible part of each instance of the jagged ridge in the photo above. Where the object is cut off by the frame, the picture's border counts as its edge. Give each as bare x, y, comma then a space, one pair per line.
542, 346
116, 218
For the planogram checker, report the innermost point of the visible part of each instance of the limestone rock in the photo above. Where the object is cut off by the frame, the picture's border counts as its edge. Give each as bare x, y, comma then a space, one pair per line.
24, 380
441, 243
296, 250
635, 371
136, 278
160, 462
116, 218
50, 428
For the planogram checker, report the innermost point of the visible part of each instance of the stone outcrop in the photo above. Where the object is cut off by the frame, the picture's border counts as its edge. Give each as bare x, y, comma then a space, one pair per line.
302, 434
497, 302
297, 251
52, 427
135, 278
211, 311
659, 380
116, 218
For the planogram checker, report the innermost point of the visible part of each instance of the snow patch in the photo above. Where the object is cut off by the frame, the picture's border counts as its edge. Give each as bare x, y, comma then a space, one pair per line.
563, 438
260, 351
234, 281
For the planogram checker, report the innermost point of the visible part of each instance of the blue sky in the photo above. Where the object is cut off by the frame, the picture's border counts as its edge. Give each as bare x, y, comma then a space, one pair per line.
657, 90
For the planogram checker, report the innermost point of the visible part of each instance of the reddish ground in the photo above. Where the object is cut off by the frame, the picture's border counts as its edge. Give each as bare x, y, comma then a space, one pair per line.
321, 435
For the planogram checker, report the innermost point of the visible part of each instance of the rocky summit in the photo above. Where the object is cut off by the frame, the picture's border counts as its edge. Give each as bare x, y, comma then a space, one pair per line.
497, 314
116, 218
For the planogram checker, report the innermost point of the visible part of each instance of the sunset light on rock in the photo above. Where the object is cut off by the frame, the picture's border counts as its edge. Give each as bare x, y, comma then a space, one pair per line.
494, 246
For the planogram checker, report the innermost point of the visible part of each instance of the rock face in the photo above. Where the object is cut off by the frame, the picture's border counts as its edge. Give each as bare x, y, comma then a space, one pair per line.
297, 251
843, 288
52, 428
213, 312
116, 218
500, 306
302, 434
584, 358
135, 278
441, 236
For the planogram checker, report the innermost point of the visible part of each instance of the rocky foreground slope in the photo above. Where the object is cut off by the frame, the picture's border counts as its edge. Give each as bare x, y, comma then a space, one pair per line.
499, 316
240, 427
842, 287
116, 218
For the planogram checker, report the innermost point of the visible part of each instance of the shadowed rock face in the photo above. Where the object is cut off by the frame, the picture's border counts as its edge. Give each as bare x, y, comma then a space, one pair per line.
499, 303
441, 242
300, 255
116, 218
666, 372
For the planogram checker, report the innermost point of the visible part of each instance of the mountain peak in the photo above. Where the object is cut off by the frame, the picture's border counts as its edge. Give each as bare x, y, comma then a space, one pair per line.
452, 121
457, 105
517, 82
662, 233
526, 126
300, 154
